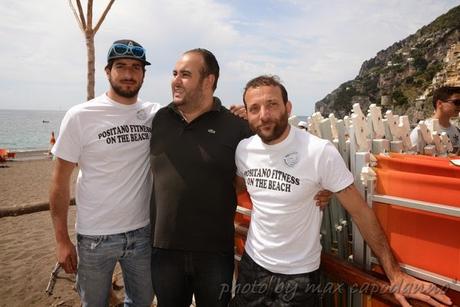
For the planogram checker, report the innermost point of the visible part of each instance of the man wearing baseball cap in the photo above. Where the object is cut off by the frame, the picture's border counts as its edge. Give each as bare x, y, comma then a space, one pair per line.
108, 137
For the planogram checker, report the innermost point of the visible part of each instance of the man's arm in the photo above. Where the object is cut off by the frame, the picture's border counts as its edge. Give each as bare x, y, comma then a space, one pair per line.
59, 206
240, 185
402, 285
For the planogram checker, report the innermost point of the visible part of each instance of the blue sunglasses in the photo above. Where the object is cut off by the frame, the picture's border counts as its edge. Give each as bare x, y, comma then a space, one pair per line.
122, 49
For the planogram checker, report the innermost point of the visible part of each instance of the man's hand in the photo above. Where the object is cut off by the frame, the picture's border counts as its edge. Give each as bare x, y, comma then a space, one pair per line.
404, 286
67, 256
322, 198
239, 110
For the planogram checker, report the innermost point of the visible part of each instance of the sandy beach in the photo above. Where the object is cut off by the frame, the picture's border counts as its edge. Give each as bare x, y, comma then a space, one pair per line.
27, 241
25, 180
26, 262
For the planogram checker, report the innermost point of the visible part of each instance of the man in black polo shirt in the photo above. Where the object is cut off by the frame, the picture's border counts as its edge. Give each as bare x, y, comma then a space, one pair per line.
193, 203
193, 200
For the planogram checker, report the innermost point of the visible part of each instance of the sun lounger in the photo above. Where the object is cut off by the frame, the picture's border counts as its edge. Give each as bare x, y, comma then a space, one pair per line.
3, 155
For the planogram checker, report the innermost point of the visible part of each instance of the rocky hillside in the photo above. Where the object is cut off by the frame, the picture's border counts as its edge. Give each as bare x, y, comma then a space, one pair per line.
400, 77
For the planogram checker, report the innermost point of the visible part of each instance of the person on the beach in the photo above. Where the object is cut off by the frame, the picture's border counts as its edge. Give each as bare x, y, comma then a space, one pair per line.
193, 203
446, 104
52, 142
193, 200
282, 168
109, 138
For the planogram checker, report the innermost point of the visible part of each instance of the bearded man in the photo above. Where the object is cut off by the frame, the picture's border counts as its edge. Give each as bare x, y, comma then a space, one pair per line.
109, 138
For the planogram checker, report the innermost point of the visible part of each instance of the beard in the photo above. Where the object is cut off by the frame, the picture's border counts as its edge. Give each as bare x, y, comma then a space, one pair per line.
280, 125
126, 93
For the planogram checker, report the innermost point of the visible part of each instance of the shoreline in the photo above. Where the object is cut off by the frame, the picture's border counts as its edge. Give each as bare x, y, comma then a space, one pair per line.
32, 155
28, 155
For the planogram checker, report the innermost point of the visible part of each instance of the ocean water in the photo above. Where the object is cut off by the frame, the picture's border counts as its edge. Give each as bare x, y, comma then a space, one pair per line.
25, 130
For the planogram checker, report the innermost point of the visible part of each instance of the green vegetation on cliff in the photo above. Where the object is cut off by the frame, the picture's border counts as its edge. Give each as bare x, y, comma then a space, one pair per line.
401, 73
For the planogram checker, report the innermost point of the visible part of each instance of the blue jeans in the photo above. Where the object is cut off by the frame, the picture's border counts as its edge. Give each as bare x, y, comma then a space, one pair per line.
97, 256
177, 275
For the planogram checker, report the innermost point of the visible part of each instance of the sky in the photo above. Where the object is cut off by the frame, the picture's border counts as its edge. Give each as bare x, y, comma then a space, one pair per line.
312, 45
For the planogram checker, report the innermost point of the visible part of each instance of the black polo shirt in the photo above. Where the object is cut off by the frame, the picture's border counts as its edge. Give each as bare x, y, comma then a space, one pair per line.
193, 164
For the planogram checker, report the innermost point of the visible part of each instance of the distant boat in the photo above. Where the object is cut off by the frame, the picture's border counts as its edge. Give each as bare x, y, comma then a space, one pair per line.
45, 121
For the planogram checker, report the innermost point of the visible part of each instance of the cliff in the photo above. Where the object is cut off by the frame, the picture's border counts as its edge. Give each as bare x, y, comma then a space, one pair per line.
402, 76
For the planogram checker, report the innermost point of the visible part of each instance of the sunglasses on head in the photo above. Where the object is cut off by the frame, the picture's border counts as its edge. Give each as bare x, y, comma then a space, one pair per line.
122, 49
454, 101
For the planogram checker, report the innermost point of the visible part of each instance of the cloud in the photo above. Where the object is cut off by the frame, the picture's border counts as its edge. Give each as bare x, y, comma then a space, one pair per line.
312, 45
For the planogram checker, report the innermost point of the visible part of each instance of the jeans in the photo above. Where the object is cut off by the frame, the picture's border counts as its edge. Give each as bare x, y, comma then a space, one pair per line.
257, 286
177, 275
97, 256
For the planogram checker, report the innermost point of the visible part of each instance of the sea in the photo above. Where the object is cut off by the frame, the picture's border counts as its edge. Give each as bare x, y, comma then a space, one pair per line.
28, 130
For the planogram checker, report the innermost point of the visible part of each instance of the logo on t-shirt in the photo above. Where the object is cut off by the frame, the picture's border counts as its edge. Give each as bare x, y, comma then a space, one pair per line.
141, 114
291, 159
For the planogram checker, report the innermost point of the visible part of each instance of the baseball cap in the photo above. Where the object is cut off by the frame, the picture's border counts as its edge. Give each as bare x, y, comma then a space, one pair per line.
127, 49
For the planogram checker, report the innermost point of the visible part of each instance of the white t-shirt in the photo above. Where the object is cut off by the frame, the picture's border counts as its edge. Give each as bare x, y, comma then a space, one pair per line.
282, 180
111, 144
452, 132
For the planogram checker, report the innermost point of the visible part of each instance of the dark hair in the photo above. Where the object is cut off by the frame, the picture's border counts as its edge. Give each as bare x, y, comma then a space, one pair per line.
110, 64
266, 80
211, 67
443, 93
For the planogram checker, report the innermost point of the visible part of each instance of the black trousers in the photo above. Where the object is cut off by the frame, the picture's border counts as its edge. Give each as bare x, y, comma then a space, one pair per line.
257, 286
177, 275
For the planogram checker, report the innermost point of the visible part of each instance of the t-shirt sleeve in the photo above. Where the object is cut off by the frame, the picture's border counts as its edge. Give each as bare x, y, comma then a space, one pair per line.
334, 174
238, 163
245, 132
68, 144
